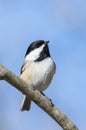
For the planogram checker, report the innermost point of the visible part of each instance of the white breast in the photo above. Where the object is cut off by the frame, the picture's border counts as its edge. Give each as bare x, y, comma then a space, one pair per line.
43, 73
39, 74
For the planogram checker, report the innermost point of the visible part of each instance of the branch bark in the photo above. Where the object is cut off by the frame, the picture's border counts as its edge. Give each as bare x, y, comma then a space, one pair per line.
42, 101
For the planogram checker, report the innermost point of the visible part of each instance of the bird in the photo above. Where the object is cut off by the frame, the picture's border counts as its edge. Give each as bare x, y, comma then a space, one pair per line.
38, 69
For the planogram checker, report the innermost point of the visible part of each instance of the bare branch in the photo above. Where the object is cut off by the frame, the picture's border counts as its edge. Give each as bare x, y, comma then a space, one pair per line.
38, 98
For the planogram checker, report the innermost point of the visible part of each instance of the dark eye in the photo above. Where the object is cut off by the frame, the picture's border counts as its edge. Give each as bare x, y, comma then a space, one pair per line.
39, 43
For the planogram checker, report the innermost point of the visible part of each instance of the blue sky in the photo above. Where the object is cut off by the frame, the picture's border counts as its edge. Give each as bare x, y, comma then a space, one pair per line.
63, 23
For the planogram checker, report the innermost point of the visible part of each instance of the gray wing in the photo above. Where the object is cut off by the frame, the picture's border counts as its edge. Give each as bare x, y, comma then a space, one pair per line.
22, 68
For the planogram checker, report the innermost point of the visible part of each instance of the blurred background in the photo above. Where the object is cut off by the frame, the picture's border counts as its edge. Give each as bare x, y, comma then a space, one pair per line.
63, 23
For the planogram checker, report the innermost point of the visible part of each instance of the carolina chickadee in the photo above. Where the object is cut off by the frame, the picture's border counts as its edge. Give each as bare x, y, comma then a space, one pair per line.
38, 69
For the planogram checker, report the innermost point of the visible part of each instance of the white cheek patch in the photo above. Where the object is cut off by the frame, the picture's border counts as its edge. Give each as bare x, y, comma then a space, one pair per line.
34, 54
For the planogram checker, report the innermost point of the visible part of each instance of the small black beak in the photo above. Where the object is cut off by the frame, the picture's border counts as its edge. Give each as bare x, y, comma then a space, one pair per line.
46, 42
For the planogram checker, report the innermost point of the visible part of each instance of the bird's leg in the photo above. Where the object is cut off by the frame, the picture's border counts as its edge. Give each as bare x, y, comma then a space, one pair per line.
48, 99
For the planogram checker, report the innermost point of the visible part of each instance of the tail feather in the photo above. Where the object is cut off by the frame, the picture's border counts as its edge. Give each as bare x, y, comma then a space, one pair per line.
26, 104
